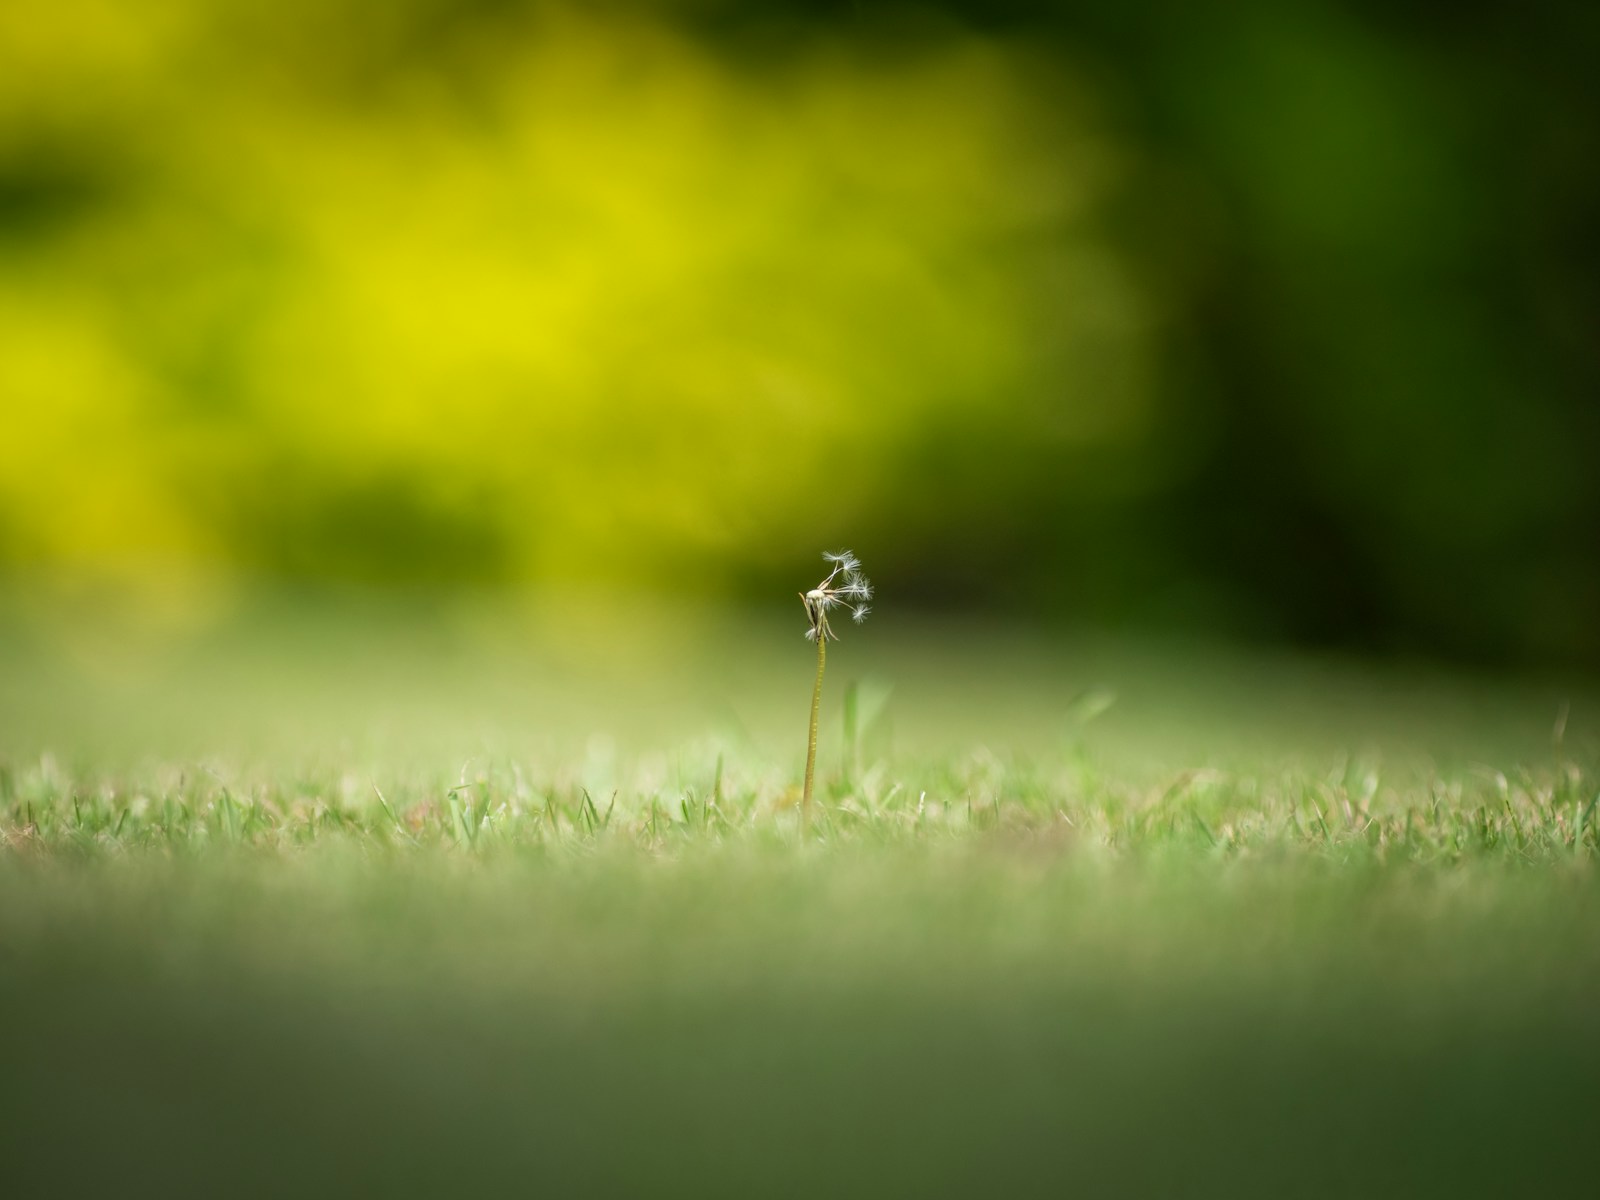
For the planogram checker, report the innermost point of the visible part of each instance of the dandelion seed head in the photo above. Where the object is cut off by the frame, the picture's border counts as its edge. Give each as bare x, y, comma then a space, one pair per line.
844, 587
822, 599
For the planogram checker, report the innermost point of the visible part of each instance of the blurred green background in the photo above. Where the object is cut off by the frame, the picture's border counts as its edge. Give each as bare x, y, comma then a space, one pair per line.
1272, 322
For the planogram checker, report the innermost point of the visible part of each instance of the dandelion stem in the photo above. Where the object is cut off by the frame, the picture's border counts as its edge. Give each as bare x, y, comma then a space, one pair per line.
811, 745
853, 593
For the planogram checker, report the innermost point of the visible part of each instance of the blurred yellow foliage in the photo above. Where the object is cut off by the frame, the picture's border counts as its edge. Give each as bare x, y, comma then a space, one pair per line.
571, 300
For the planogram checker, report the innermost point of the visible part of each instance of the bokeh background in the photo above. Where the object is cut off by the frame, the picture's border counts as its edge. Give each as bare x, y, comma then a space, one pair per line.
1275, 322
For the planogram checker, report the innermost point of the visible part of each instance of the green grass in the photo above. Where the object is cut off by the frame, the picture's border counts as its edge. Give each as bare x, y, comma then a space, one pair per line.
447, 904
1351, 815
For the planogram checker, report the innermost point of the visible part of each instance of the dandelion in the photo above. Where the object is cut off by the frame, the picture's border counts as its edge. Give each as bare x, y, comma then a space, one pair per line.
845, 587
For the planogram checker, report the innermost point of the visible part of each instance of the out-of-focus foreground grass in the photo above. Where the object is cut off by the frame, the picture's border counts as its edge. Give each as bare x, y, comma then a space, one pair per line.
492, 899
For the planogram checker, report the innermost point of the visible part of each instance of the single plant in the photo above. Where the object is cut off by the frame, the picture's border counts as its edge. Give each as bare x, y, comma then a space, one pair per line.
846, 587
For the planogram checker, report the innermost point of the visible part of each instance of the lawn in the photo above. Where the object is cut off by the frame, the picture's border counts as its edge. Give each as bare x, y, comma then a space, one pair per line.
435, 901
